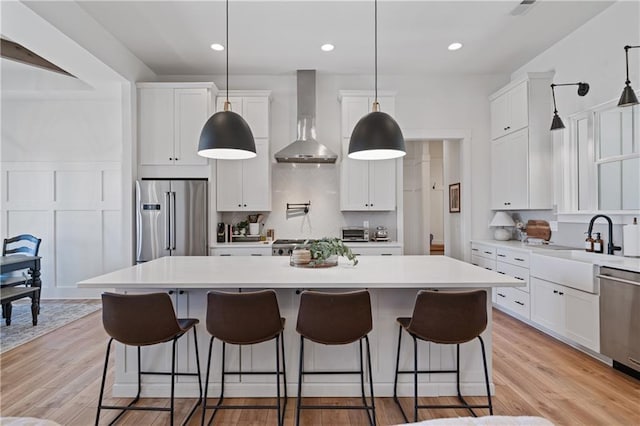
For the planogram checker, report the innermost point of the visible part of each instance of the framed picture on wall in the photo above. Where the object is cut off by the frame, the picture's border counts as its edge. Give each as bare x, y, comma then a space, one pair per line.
454, 198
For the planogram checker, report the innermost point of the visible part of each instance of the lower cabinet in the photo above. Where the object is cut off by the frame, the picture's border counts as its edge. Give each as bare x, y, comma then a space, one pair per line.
571, 313
513, 299
240, 251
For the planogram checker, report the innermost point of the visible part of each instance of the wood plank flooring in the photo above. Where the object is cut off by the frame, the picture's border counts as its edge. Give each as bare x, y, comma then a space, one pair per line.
57, 377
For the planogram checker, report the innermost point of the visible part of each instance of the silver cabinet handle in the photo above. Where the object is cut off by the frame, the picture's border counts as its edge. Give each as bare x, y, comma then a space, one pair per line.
167, 238
620, 280
173, 220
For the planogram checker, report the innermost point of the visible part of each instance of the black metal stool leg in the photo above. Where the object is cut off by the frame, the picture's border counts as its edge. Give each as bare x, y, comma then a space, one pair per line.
395, 381
486, 375
361, 372
104, 377
415, 379
373, 400
173, 379
278, 408
299, 400
206, 382
199, 402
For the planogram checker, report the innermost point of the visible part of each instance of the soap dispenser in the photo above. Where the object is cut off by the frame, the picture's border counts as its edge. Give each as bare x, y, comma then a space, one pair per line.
598, 244
588, 243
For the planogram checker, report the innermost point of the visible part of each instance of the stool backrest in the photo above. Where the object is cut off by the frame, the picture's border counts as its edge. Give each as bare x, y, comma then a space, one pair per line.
449, 317
334, 318
139, 319
25, 244
243, 318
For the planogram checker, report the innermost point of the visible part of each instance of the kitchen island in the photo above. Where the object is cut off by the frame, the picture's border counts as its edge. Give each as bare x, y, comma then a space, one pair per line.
393, 282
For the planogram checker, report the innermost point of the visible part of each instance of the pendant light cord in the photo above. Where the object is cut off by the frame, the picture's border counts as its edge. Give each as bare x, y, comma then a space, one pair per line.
626, 56
553, 93
375, 42
227, 34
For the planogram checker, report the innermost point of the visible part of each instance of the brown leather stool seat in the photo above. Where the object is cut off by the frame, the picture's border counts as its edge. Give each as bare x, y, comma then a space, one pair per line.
446, 318
336, 319
245, 319
144, 320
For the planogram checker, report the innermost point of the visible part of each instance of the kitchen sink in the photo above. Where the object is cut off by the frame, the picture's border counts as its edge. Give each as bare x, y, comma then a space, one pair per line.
584, 256
572, 268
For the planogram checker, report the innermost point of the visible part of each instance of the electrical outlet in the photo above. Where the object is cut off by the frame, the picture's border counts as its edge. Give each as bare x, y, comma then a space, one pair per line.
553, 225
365, 224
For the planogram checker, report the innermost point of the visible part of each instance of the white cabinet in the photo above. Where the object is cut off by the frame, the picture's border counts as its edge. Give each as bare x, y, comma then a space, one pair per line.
510, 111
509, 172
245, 185
170, 119
521, 151
241, 251
571, 313
376, 251
365, 185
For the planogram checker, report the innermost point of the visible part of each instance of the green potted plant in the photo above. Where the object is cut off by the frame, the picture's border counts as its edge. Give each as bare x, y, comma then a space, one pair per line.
324, 249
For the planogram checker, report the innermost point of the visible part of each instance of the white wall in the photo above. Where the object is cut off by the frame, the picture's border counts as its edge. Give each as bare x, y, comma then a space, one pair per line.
422, 102
593, 53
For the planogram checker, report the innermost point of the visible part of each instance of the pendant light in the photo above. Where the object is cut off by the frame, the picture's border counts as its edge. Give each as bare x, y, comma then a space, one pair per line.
628, 96
583, 89
226, 136
376, 136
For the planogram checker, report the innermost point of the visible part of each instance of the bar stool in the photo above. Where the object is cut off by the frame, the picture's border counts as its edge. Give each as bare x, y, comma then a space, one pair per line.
447, 318
245, 319
144, 320
336, 319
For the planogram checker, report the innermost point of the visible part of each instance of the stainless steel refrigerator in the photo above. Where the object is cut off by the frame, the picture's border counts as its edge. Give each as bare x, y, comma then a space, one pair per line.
171, 218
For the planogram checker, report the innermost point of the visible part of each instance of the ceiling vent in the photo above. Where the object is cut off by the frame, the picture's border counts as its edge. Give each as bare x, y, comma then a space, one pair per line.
523, 8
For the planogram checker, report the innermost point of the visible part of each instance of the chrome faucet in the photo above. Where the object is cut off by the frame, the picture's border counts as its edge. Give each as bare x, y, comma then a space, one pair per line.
610, 246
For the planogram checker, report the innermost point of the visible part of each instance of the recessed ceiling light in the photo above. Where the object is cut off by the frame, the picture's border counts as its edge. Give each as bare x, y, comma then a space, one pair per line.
327, 47
217, 47
455, 46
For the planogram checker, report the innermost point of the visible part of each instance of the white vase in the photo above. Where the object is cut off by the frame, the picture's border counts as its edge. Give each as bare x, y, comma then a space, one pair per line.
254, 228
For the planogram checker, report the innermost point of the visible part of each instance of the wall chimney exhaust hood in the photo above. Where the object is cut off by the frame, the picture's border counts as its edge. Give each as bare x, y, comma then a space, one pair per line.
306, 149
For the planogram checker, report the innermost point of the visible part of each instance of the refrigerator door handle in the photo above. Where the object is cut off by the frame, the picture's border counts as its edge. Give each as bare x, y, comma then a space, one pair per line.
173, 220
167, 219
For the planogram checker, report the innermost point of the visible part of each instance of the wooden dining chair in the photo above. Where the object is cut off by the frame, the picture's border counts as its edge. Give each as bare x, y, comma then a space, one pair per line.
25, 244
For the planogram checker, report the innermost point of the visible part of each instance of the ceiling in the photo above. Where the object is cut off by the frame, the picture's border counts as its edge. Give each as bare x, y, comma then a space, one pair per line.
278, 37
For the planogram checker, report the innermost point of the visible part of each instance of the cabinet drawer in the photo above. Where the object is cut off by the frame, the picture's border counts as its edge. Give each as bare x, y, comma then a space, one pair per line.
483, 262
517, 272
482, 250
514, 257
514, 300
376, 251
240, 251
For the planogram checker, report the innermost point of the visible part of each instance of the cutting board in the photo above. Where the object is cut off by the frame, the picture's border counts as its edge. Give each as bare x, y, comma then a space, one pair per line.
538, 229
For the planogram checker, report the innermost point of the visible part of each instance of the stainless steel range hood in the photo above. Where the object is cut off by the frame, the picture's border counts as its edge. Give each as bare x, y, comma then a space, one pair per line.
306, 149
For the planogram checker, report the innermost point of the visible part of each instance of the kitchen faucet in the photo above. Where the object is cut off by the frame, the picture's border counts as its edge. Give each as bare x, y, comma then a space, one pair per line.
610, 246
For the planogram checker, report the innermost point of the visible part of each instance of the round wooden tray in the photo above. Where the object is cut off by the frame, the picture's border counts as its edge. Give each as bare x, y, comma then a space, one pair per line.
326, 264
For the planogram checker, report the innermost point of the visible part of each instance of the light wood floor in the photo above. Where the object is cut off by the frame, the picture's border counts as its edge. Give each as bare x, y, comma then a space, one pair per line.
57, 377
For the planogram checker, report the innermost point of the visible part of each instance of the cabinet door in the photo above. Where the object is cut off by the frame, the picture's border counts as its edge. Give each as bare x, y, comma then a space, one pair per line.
256, 179
229, 185
255, 110
499, 173
354, 182
518, 107
155, 126
547, 305
191, 112
353, 109
518, 177
499, 116
382, 185
582, 317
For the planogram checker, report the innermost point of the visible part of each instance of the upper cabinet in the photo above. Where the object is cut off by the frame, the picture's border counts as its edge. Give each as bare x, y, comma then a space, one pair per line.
170, 119
510, 111
245, 185
521, 152
365, 185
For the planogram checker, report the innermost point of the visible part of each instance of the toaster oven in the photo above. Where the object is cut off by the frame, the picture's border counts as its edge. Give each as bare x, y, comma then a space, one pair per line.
355, 233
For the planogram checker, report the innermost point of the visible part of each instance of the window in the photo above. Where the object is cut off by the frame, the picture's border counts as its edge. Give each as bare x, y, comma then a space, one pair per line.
607, 144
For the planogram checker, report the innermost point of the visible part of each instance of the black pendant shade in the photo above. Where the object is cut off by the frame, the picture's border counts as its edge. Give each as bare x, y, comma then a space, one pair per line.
226, 136
376, 136
628, 97
556, 123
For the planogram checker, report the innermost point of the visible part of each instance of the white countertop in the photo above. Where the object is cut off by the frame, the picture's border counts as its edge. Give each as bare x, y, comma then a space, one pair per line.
610, 261
275, 272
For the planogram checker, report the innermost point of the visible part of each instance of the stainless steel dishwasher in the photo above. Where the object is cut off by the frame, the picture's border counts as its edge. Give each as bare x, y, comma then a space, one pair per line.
620, 318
